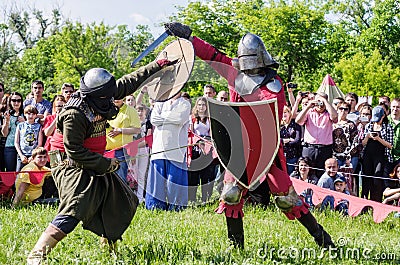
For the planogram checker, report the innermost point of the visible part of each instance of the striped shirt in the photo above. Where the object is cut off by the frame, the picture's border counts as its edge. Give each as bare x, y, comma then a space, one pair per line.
387, 134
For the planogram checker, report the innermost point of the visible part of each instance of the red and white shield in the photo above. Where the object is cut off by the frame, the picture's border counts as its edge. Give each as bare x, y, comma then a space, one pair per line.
246, 137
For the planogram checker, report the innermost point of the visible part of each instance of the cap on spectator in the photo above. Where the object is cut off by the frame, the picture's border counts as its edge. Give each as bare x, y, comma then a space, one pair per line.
377, 114
340, 179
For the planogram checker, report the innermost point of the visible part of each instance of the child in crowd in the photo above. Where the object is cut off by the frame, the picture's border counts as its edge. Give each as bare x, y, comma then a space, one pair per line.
27, 136
327, 181
329, 201
27, 190
331, 173
341, 186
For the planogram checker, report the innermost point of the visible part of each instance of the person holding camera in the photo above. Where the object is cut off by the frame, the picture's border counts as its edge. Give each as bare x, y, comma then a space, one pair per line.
12, 117
302, 99
291, 138
318, 118
345, 138
394, 120
336, 101
378, 142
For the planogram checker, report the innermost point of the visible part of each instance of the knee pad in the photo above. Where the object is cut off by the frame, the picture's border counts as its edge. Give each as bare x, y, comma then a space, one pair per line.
287, 202
231, 193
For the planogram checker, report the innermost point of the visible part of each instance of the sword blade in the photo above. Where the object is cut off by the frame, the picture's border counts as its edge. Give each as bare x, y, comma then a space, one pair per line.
150, 48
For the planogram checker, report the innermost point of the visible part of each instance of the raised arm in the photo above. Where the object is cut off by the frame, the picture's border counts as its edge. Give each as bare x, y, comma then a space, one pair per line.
6, 125
302, 116
129, 83
178, 115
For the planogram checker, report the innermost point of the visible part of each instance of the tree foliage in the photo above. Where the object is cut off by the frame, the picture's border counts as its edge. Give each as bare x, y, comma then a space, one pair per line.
66, 55
369, 76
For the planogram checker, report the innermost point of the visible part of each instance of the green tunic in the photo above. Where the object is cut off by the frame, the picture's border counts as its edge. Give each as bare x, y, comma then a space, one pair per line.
102, 201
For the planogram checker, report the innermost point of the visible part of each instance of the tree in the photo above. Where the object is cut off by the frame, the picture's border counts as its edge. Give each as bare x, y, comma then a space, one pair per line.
23, 23
368, 76
8, 50
21, 28
383, 34
370, 63
35, 64
68, 54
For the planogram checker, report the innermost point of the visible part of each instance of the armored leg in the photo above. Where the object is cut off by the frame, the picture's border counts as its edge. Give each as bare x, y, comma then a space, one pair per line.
322, 238
235, 231
293, 206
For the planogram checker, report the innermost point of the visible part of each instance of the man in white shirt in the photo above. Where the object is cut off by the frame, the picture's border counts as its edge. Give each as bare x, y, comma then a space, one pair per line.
167, 183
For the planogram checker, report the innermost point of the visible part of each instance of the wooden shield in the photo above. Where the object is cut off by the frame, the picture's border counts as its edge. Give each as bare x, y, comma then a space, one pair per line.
246, 137
169, 81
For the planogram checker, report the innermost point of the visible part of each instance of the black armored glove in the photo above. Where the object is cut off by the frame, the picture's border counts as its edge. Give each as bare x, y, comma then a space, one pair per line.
178, 29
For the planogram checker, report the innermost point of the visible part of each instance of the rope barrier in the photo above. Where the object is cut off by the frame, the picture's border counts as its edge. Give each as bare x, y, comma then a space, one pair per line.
209, 142
352, 174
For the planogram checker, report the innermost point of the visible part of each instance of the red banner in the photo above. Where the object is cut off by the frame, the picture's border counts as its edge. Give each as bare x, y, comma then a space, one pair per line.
356, 204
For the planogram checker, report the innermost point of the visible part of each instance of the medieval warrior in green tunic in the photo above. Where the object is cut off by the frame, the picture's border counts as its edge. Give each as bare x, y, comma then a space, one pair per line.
89, 189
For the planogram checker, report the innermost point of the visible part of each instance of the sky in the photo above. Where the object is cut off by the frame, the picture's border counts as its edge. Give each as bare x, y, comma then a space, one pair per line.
114, 12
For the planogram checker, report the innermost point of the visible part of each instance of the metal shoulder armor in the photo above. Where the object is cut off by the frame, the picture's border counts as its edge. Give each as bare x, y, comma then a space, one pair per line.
246, 85
274, 85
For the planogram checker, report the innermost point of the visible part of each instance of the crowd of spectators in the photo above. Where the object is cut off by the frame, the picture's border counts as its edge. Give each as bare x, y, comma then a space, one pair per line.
317, 133
27, 127
362, 141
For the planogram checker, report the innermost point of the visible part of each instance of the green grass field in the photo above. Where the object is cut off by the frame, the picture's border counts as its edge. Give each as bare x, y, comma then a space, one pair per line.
198, 236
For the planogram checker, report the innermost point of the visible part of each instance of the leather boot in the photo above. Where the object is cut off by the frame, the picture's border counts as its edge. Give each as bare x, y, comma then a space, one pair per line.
322, 238
235, 231
47, 241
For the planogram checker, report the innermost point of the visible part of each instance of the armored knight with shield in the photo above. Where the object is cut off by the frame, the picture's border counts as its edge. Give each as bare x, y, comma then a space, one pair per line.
252, 78
89, 188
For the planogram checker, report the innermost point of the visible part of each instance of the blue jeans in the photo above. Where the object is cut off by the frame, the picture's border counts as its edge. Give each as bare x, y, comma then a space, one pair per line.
328, 202
343, 207
354, 162
10, 158
123, 166
20, 165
